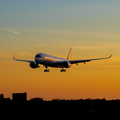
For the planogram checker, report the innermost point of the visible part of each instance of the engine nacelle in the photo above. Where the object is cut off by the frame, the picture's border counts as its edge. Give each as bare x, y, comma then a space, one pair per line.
34, 65
66, 64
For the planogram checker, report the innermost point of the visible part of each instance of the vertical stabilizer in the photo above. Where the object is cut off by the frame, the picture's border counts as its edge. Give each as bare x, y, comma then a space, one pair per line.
69, 55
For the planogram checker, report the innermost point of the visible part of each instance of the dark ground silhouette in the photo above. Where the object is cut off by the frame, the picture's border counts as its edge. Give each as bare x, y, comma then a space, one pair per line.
56, 109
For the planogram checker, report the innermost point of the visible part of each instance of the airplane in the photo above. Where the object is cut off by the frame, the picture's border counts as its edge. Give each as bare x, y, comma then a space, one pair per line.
52, 61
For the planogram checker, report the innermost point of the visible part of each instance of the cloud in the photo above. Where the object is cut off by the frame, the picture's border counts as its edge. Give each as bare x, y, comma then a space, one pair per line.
84, 47
41, 45
99, 46
82, 35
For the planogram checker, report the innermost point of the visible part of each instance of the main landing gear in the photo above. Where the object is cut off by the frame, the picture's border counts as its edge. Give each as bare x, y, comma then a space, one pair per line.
46, 70
63, 70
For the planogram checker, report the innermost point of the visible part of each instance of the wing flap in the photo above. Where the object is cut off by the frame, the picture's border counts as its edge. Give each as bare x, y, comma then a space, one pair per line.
78, 61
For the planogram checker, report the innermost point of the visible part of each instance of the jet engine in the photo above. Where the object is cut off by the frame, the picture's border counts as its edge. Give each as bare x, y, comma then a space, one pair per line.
34, 65
66, 64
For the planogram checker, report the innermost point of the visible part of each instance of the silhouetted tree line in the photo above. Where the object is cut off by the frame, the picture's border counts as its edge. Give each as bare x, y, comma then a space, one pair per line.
57, 109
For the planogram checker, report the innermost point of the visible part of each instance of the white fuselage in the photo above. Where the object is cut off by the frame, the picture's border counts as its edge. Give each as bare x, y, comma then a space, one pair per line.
49, 60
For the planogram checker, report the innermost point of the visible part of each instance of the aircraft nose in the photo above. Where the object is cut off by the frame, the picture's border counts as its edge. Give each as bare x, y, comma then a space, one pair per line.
36, 59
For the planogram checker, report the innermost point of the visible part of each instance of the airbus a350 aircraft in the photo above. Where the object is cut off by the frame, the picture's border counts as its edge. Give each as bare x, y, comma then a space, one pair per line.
52, 61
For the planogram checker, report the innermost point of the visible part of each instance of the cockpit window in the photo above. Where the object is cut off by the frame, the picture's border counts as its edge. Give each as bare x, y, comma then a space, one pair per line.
37, 56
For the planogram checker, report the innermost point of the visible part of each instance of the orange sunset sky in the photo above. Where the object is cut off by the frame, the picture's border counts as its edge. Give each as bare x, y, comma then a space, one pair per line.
90, 27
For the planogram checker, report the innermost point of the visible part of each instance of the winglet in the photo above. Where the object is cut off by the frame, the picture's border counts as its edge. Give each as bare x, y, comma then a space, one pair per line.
69, 55
109, 56
14, 57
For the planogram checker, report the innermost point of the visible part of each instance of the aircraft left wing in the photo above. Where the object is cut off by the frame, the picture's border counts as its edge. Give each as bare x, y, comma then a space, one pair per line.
22, 60
87, 60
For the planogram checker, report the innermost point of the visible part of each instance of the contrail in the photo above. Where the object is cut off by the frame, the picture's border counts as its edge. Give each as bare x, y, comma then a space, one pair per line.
29, 37
12, 31
17, 33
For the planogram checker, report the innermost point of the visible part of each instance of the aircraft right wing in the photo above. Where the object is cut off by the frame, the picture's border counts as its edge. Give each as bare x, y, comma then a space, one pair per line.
22, 60
87, 60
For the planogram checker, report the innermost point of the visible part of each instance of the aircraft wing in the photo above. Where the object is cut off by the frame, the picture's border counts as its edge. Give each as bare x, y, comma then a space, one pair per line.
87, 60
22, 60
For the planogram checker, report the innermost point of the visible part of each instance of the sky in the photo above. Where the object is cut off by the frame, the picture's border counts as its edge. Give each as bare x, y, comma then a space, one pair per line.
90, 27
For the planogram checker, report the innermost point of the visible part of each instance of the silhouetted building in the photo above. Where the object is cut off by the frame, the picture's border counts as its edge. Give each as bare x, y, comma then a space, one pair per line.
19, 96
1, 96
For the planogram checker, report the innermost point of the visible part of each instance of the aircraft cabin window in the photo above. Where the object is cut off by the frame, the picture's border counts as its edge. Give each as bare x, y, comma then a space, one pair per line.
38, 56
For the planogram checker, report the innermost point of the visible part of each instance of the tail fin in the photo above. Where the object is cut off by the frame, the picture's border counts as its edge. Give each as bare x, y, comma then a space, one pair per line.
69, 55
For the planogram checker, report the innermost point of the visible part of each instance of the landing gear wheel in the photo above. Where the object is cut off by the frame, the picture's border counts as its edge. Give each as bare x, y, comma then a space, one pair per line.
63, 70
46, 70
